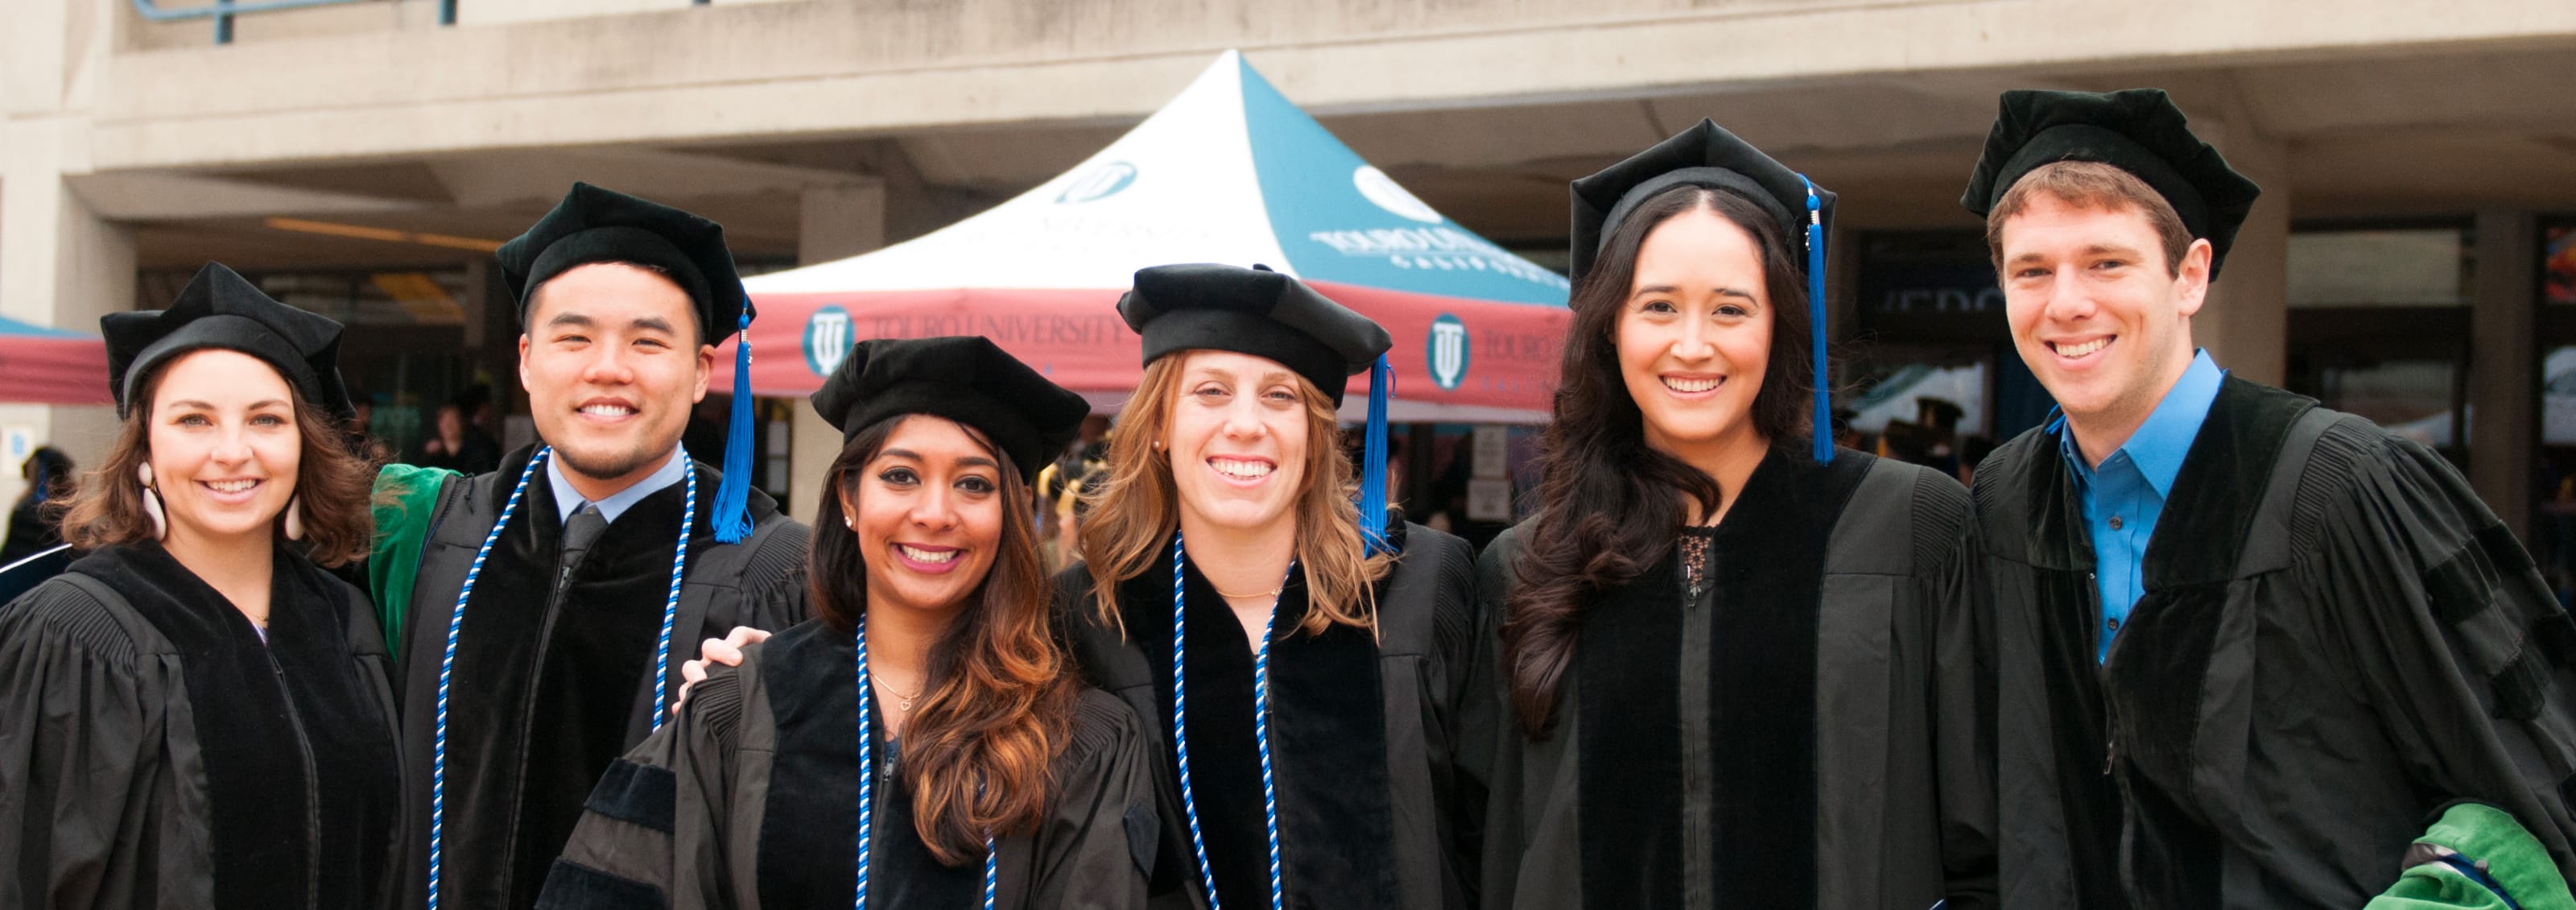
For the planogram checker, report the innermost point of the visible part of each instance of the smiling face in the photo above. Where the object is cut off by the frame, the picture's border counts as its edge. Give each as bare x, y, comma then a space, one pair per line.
1237, 438
928, 512
1694, 336
612, 365
224, 446
2094, 311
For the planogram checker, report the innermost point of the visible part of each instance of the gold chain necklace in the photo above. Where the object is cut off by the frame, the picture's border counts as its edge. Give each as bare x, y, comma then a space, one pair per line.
902, 702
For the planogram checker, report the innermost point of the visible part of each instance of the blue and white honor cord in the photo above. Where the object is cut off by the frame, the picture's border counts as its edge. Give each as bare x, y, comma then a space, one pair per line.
456, 622
867, 792
1260, 735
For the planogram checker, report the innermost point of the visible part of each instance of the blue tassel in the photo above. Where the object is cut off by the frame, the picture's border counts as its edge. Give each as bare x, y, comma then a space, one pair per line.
1373, 508
1824, 429
732, 520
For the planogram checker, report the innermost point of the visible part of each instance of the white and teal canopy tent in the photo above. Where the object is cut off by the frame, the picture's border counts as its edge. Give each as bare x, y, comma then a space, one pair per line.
1230, 172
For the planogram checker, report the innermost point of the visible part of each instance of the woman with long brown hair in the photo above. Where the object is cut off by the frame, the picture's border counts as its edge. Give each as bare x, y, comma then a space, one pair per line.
196, 713
922, 743
1741, 662
1301, 660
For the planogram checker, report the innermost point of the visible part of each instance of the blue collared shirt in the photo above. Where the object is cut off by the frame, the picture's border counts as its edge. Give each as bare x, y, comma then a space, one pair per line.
2125, 494
567, 500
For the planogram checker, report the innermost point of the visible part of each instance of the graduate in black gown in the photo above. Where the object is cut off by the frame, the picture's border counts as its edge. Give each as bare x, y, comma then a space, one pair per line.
1228, 482
2246, 647
33, 527
927, 585
1741, 662
587, 554
196, 714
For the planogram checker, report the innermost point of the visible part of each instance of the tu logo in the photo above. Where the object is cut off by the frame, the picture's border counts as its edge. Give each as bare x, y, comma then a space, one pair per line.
1448, 352
827, 339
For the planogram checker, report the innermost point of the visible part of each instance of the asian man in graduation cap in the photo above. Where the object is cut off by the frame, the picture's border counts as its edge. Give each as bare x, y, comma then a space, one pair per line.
534, 607
2247, 647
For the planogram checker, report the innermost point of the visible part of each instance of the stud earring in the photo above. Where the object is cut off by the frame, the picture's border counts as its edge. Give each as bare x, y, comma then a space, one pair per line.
152, 503
295, 518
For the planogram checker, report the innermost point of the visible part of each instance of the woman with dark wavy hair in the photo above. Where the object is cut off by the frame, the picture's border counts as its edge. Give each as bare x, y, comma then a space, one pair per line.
922, 742
1738, 659
196, 713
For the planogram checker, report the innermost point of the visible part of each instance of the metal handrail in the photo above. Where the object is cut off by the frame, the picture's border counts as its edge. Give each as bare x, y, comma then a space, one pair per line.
223, 11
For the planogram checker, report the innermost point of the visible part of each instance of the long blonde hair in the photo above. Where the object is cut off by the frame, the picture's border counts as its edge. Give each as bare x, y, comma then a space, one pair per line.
1137, 510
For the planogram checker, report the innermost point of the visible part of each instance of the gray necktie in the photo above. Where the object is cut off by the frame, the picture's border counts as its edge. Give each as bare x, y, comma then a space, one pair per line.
582, 530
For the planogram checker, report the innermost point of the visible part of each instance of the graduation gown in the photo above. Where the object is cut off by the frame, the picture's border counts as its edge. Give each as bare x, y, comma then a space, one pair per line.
155, 753
1375, 810
2336, 638
553, 674
29, 532
750, 799
1802, 735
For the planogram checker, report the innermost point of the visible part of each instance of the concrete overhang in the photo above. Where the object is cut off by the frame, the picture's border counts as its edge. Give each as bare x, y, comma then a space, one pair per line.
776, 71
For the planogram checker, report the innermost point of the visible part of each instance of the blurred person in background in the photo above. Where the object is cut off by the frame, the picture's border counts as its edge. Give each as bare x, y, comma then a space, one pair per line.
456, 445
362, 431
35, 523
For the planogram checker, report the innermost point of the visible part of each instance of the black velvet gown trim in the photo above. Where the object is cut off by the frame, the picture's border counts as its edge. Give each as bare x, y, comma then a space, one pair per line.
2163, 653
299, 761
1629, 748
1767, 567
1328, 745
810, 824
553, 679
2220, 485
2057, 545
642, 794
2161, 661
573, 885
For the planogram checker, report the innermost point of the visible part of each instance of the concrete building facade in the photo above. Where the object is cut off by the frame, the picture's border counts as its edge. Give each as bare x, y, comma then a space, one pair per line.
2418, 159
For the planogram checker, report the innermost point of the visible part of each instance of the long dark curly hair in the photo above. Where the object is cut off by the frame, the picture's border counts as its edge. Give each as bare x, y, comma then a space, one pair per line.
1610, 506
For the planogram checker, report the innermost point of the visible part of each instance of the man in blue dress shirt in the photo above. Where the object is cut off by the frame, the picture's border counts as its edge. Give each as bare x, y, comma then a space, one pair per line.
2124, 492
2244, 646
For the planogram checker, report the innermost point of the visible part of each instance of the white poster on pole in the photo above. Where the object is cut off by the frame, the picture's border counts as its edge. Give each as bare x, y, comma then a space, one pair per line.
1489, 499
1493, 451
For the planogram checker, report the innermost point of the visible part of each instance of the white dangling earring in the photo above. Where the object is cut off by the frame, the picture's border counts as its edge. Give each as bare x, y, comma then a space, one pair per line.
152, 503
295, 518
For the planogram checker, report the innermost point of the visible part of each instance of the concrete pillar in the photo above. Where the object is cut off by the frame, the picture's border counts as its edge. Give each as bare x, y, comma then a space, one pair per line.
1842, 305
481, 328
2245, 323
492, 335
2503, 363
836, 222
60, 265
